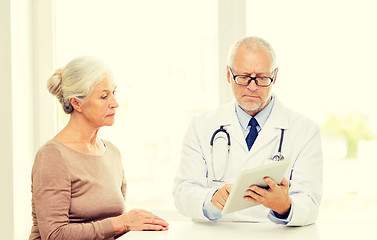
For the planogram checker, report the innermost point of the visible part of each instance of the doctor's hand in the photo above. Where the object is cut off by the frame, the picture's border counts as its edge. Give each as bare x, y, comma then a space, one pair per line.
276, 197
221, 195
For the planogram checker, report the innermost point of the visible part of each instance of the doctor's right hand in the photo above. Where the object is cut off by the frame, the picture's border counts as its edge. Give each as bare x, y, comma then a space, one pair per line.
221, 196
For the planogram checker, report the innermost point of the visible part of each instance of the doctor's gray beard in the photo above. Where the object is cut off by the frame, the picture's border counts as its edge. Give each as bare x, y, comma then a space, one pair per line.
254, 107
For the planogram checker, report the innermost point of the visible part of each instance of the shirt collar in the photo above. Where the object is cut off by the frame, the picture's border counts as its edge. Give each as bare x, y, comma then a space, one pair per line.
261, 117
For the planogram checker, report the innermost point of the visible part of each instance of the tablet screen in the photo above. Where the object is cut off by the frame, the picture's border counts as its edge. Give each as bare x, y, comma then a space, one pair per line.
254, 176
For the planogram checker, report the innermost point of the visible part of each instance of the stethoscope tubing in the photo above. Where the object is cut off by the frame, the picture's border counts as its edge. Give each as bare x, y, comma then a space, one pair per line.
277, 157
221, 129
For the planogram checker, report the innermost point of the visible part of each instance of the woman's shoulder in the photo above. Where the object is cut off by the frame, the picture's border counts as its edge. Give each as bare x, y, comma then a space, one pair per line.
113, 153
108, 144
49, 156
110, 147
50, 147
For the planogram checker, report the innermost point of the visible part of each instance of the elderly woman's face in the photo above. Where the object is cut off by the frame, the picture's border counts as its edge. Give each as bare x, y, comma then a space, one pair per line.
101, 104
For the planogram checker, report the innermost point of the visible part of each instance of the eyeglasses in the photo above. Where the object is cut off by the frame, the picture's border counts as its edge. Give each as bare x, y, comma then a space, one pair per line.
245, 80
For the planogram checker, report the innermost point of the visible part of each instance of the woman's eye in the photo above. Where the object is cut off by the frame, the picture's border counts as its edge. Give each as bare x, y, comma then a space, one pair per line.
104, 97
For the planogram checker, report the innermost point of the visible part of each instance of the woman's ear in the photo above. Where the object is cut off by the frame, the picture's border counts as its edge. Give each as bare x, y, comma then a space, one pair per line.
75, 104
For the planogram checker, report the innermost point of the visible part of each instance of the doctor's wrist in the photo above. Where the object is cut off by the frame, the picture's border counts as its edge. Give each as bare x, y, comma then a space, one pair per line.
284, 213
285, 210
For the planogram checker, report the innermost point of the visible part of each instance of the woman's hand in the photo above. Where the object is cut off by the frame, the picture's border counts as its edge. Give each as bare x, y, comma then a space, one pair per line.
138, 220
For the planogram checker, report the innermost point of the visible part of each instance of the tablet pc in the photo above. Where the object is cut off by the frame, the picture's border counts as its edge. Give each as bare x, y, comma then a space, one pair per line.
254, 176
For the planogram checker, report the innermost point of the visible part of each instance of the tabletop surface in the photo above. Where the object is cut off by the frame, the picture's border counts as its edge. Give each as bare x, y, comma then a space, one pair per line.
183, 229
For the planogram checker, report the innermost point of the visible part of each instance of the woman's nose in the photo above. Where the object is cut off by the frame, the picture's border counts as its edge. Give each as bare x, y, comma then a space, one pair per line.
114, 103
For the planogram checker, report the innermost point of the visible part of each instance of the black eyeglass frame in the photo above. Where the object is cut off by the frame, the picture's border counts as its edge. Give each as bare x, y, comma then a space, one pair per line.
252, 78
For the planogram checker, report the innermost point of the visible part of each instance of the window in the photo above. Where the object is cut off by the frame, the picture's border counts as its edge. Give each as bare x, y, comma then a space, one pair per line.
325, 52
164, 58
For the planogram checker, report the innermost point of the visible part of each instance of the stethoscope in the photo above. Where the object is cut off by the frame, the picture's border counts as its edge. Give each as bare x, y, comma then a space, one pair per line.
277, 157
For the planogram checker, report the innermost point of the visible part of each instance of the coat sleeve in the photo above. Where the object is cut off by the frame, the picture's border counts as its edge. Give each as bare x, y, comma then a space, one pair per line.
191, 184
51, 190
306, 179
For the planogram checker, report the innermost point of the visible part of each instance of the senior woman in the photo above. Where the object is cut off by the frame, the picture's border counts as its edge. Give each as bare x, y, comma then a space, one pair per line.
78, 185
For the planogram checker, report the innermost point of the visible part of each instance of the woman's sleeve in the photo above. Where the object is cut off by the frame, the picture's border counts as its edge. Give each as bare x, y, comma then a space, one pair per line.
124, 185
119, 163
51, 191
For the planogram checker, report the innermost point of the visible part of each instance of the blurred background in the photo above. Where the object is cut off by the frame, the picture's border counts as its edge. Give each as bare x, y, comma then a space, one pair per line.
169, 59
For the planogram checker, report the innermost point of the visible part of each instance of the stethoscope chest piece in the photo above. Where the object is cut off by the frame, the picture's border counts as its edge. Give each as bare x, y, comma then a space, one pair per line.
279, 157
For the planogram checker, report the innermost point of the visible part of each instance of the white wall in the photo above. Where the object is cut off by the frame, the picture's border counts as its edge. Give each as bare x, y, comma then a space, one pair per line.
231, 26
6, 146
23, 108
44, 66
26, 61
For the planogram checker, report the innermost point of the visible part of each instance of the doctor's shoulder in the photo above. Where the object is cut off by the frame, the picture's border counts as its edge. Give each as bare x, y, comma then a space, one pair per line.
211, 116
203, 123
302, 123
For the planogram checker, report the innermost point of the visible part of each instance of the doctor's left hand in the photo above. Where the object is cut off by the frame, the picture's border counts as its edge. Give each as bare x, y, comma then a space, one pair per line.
275, 198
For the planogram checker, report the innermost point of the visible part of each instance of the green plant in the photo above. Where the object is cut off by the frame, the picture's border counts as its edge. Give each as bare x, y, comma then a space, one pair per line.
353, 127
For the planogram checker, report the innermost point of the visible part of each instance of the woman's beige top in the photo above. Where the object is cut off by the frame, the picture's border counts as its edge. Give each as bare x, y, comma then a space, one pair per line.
74, 194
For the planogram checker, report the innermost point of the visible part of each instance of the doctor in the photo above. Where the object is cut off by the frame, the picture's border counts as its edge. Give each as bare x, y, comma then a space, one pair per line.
247, 134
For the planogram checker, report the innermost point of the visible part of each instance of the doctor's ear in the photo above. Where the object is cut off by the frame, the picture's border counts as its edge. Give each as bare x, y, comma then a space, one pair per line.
228, 74
76, 104
275, 74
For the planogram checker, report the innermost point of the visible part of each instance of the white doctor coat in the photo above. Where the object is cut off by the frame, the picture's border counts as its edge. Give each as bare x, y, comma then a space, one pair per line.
301, 144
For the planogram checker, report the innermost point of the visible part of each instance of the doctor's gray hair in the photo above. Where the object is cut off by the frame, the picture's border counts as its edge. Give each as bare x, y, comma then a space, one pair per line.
251, 43
76, 80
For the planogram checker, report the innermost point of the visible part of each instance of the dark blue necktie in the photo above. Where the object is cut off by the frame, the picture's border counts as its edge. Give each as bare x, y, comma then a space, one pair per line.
250, 139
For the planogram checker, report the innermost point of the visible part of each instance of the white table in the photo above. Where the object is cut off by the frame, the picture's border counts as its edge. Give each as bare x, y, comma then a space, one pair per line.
182, 229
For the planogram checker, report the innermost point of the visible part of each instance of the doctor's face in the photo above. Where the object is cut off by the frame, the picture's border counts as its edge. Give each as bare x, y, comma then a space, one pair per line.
251, 62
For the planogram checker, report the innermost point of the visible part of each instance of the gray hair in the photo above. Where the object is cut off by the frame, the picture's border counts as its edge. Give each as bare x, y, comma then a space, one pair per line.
251, 43
76, 80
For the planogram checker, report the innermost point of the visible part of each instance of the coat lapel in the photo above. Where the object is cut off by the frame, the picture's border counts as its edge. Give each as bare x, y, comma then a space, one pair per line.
230, 121
272, 129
